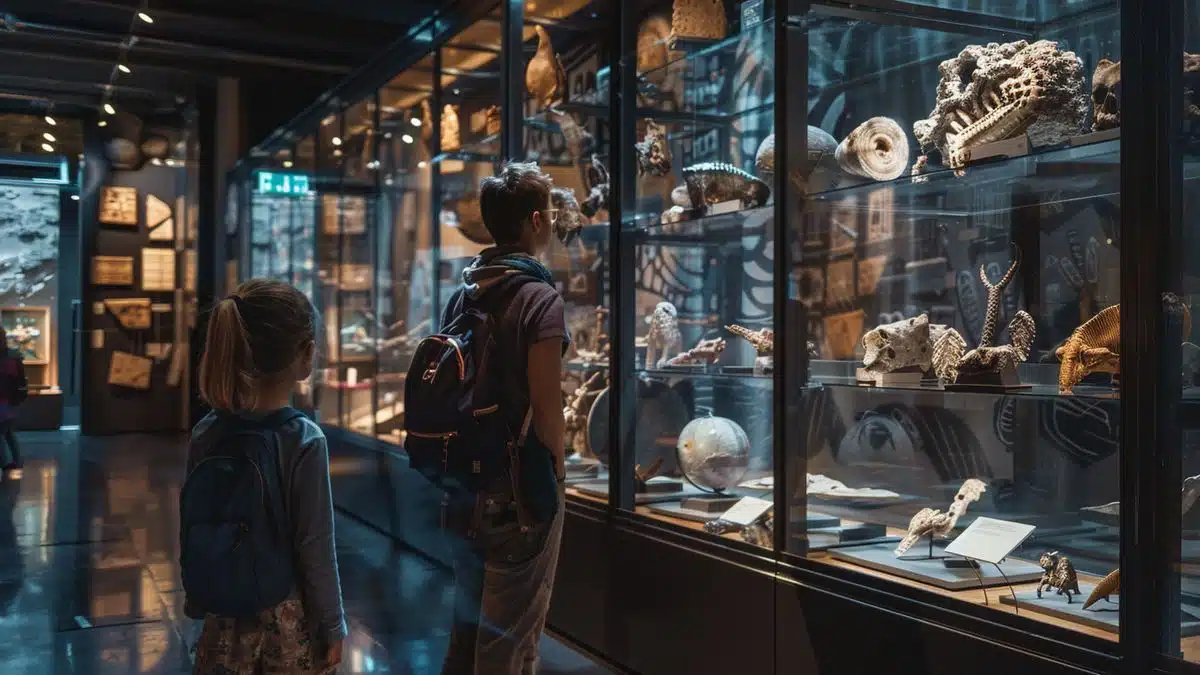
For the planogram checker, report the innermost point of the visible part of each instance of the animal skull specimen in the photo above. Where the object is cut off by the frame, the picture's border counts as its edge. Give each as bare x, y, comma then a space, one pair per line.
999, 91
1094, 347
653, 151
1106, 95
937, 523
664, 337
909, 342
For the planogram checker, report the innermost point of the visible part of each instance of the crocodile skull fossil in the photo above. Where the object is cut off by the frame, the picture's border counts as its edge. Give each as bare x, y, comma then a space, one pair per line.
999, 91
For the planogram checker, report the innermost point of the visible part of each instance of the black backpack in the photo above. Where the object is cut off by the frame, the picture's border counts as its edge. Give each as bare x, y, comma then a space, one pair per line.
234, 535
458, 436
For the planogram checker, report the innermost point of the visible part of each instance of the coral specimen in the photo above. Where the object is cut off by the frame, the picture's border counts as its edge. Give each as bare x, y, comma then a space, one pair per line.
876, 149
698, 19
937, 523
544, 77
570, 220
710, 183
1106, 97
1094, 347
664, 337
597, 199
653, 151
1000, 91
987, 358
1059, 573
1109, 585
763, 341
705, 352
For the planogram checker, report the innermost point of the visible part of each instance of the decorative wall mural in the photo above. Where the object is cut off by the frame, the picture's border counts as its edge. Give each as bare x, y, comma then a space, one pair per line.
29, 223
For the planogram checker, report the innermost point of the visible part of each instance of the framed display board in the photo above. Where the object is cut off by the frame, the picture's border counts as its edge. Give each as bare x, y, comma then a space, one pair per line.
28, 331
112, 270
118, 206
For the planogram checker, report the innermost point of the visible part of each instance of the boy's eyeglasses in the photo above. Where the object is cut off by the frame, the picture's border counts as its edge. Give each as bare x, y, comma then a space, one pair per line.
552, 215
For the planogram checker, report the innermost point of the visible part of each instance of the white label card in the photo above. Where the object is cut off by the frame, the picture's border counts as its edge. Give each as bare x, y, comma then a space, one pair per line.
990, 540
747, 510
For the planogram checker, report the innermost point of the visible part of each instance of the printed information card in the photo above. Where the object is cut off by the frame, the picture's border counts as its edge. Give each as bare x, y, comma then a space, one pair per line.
990, 540
747, 510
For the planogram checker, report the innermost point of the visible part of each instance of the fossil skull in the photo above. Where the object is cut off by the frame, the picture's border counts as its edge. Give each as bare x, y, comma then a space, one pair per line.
1106, 95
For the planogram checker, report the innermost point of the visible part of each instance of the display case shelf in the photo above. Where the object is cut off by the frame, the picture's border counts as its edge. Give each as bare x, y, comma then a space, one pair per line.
708, 230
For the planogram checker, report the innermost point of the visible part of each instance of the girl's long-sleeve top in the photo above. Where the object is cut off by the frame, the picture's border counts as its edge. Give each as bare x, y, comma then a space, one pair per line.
304, 458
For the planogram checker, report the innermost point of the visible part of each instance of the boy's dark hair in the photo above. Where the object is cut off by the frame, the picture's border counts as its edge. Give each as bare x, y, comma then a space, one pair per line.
254, 335
511, 196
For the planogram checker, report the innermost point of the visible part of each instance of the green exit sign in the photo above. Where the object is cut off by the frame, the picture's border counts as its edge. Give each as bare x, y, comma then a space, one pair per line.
281, 183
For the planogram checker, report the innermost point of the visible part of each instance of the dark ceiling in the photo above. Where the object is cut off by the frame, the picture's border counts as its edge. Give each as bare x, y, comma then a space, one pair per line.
66, 51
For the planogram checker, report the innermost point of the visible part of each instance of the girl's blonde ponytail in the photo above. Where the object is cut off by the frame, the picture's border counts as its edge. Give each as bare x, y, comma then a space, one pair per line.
227, 373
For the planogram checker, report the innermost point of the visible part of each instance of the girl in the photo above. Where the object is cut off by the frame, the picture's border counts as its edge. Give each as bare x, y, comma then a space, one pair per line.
260, 342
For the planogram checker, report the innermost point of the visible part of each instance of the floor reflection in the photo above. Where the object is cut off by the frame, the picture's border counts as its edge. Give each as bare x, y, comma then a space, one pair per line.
89, 582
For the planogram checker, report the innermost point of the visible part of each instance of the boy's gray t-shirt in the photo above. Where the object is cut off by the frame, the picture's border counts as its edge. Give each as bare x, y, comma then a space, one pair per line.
304, 461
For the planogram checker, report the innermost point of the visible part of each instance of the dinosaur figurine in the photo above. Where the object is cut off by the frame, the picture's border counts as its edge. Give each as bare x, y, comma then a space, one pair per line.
987, 360
710, 183
1109, 585
763, 341
937, 523
704, 353
1059, 573
1094, 347
545, 79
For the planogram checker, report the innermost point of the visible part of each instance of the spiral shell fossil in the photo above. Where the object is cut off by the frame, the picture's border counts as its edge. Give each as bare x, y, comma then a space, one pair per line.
876, 149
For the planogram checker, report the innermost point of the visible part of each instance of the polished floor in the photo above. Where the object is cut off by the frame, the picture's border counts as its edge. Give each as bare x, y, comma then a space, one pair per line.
89, 583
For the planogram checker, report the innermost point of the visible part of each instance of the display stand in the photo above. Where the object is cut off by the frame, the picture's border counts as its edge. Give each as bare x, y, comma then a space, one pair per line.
933, 571
1105, 616
1007, 380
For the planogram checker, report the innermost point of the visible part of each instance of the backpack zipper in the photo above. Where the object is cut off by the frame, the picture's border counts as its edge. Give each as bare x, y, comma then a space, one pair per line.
446, 438
462, 367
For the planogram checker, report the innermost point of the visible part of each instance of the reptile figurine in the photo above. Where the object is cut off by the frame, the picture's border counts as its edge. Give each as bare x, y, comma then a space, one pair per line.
710, 183
1094, 347
1058, 573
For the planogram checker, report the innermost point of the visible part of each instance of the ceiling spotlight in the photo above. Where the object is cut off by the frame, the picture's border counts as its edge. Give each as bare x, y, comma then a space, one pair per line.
47, 147
406, 138
145, 17
373, 164
416, 121
388, 180
74, 198
109, 109
123, 68
102, 123
49, 136
336, 140
387, 135
50, 120
422, 164
287, 163
337, 153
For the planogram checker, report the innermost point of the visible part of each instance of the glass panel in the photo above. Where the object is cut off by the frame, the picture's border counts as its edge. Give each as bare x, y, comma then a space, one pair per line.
470, 150
703, 231
565, 129
304, 223
941, 380
328, 179
404, 271
277, 217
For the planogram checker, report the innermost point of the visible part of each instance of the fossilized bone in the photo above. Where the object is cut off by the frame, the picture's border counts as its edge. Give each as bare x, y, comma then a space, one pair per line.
988, 358
909, 342
876, 149
710, 183
705, 352
1106, 99
763, 341
1094, 347
576, 412
653, 151
937, 523
1058, 573
544, 76
664, 337
1109, 585
1000, 91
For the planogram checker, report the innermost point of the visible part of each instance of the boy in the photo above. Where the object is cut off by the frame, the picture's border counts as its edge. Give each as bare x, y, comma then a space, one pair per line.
504, 576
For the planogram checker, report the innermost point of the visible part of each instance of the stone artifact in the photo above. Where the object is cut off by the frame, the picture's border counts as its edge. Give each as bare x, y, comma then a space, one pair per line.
450, 139
988, 359
937, 523
118, 206
764, 159
597, 199
763, 341
706, 352
578, 404
876, 149
1106, 98
545, 79
1059, 573
131, 313
158, 269
112, 270
653, 151
710, 183
907, 343
570, 220
128, 370
1109, 585
157, 211
664, 337
1094, 347
714, 453
1000, 91
698, 19
819, 485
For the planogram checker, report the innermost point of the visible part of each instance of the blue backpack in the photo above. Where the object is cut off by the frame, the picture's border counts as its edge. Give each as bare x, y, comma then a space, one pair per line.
457, 434
234, 535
